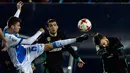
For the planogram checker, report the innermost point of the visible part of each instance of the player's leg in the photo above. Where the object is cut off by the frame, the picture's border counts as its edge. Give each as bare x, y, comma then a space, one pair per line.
27, 68
38, 49
33, 51
62, 43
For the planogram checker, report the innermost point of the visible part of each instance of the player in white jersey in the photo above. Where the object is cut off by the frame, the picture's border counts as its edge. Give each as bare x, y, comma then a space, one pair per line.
22, 53
19, 6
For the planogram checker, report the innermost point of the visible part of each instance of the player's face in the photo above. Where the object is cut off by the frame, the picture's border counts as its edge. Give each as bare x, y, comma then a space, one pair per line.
52, 27
104, 42
16, 27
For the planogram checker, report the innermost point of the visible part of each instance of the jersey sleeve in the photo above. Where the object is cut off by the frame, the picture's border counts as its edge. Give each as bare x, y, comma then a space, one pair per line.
17, 13
32, 39
12, 40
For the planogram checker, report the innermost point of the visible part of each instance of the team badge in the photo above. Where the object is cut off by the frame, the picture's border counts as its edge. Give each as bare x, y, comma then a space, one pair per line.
48, 39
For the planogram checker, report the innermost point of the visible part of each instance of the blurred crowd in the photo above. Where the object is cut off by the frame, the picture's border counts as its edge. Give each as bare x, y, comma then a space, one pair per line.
65, 1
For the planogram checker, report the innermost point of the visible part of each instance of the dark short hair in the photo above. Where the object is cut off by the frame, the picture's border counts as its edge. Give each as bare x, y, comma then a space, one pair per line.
97, 37
12, 21
50, 20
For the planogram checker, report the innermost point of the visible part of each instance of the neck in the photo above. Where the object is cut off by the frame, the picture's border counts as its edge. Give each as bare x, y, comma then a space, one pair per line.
53, 34
10, 31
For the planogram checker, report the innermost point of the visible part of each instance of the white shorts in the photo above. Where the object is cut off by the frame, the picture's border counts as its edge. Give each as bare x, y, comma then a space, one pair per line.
32, 52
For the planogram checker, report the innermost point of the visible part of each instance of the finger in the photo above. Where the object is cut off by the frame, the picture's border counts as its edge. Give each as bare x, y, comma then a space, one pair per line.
80, 65
83, 63
21, 3
18, 3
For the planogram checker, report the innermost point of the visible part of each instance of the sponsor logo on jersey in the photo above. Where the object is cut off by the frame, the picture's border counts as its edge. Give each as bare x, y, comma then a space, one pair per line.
56, 49
13, 39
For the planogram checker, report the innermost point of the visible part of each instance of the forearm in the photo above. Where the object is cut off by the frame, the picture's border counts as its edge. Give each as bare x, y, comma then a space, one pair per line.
31, 39
17, 13
2, 35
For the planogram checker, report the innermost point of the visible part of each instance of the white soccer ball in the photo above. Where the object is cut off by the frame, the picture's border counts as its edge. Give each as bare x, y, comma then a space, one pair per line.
84, 25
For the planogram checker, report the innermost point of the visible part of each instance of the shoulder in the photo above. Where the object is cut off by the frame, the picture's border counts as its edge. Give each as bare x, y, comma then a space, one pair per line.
114, 40
9, 36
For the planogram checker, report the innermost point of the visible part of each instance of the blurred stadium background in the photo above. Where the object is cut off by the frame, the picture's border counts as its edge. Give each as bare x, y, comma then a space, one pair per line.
110, 19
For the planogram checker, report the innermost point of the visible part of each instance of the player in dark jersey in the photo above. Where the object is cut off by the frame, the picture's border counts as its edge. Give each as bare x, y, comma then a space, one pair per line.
54, 58
111, 51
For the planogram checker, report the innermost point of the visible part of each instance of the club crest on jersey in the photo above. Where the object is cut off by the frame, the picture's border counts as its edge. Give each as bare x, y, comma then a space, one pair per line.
48, 39
14, 40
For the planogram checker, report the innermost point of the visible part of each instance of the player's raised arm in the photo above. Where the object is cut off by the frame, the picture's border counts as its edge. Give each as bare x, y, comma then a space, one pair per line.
19, 6
16, 40
33, 38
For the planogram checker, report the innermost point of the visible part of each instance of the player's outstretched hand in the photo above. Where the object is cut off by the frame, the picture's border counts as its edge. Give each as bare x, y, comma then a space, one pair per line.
82, 38
33, 68
42, 30
80, 63
19, 5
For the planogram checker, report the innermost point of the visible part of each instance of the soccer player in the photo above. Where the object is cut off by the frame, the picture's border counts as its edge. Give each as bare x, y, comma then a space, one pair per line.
54, 58
22, 53
111, 51
6, 63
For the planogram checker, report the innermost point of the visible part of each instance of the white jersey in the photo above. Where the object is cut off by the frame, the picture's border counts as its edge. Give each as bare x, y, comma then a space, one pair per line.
13, 43
21, 52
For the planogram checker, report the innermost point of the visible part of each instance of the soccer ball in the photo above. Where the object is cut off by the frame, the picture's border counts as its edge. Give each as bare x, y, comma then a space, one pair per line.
84, 25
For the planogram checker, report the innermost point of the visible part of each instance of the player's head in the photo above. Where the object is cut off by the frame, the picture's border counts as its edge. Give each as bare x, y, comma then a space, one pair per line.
52, 26
14, 24
101, 40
